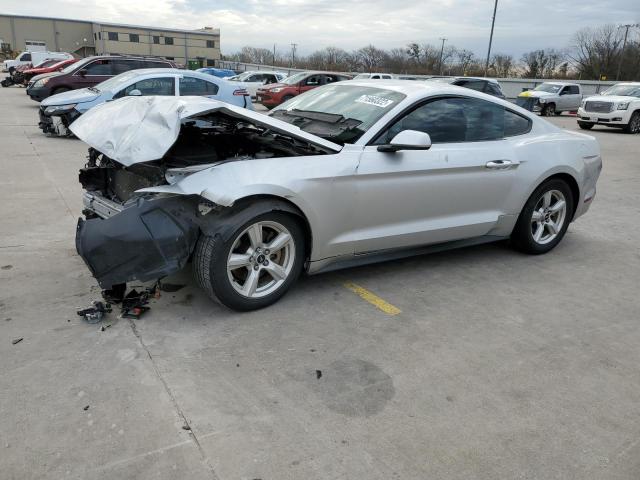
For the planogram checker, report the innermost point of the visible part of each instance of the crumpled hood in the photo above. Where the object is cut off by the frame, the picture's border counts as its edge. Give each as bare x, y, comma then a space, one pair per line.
141, 129
72, 96
536, 94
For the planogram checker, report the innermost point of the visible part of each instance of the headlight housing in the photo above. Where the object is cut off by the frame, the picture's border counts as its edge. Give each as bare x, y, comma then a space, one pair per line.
623, 105
42, 82
542, 100
277, 89
583, 103
56, 109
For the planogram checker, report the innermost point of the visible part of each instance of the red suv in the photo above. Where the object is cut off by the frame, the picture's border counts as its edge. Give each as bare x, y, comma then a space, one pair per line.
274, 94
46, 67
89, 72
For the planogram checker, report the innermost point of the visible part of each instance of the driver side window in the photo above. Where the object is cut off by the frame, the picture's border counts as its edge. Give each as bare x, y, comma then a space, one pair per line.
312, 80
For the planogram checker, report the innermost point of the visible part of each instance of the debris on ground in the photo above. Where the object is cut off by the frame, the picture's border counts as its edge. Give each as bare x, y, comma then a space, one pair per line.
7, 267
134, 304
104, 327
8, 319
16, 340
86, 408
318, 374
186, 427
94, 313
170, 287
115, 294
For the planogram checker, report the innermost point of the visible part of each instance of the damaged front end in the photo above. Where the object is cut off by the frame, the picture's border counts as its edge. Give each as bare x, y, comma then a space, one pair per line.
55, 120
130, 233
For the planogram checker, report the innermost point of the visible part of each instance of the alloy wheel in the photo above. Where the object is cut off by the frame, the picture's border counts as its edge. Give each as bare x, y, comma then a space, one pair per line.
634, 124
548, 216
261, 259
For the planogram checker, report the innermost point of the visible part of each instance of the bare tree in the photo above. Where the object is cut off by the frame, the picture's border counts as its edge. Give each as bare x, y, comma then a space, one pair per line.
371, 58
503, 65
596, 51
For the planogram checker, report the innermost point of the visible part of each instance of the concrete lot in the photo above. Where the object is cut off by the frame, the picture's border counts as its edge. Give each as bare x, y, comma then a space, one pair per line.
499, 366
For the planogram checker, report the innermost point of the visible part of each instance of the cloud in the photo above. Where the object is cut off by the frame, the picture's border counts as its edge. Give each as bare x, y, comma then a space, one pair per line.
521, 25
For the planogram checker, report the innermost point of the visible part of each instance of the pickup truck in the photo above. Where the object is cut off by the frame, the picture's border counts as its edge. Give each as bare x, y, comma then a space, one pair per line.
552, 98
618, 106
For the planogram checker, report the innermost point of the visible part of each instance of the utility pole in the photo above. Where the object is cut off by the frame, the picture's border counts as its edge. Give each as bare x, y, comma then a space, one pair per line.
624, 45
293, 54
274, 55
493, 22
441, 52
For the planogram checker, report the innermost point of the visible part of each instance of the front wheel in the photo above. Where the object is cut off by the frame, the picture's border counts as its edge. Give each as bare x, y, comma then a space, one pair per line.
544, 219
634, 123
549, 110
256, 266
585, 125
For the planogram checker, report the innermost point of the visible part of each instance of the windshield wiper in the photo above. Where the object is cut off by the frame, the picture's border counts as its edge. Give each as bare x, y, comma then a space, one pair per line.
93, 89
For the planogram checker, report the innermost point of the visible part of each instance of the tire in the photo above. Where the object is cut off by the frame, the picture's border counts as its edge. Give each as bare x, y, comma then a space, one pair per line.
634, 123
557, 113
533, 233
212, 258
585, 125
60, 90
11, 70
286, 98
549, 110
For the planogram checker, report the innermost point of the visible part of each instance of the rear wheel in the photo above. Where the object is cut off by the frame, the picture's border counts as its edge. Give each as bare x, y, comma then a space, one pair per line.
585, 125
634, 123
545, 218
256, 266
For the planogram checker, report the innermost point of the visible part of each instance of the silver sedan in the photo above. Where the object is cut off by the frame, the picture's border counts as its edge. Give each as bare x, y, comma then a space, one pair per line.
349, 173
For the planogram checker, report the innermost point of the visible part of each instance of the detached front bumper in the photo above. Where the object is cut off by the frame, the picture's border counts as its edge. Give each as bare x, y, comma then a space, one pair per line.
616, 118
146, 240
57, 124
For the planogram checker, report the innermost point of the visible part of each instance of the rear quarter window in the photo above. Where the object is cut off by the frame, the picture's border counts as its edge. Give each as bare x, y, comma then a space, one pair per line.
515, 124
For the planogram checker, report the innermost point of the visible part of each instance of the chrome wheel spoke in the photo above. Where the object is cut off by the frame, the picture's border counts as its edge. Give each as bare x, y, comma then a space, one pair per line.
238, 260
251, 283
537, 216
276, 271
255, 235
556, 207
538, 233
552, 227
546, 199
279, 242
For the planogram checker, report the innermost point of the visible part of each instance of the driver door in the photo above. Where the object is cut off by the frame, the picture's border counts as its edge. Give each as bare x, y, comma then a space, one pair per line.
457, 189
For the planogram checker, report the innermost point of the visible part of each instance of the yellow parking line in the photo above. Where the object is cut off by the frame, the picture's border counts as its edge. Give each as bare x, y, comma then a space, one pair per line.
373, 299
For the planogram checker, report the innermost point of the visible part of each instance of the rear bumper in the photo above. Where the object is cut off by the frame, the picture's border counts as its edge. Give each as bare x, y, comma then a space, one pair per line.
144, 241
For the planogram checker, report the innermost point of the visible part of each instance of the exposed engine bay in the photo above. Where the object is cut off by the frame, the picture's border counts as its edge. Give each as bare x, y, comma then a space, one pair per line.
204, 141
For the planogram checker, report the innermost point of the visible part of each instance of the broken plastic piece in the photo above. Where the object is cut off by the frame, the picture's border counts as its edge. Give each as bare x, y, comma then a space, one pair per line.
95, 312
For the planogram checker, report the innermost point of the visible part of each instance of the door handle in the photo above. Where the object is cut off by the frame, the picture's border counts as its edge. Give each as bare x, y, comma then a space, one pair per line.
499, 164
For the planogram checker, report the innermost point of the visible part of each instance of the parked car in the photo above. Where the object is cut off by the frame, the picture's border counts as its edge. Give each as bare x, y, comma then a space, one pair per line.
618, 106
16, 75
89, 72
346, 174
59, 111
273, 95
34, 58
255, 79
217, 72
551, 98
374, 76
49, 66
489, 86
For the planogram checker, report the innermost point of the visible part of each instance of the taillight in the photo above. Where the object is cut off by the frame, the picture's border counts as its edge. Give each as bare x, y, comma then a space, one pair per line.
241, 92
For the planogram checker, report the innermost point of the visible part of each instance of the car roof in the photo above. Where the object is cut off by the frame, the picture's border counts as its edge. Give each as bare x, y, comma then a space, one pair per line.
173, 71
411, 88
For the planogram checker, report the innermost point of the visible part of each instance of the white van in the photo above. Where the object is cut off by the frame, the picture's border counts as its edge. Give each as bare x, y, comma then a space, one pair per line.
34, 58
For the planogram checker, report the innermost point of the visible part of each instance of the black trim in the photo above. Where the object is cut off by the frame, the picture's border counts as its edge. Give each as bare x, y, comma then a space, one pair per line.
422, 103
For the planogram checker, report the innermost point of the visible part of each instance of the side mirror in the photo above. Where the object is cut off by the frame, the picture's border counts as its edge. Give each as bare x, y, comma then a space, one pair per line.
407, 140
134, 93
83, 72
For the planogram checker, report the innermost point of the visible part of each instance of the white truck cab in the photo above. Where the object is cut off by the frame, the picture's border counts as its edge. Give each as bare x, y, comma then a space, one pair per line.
618, 106
34, 58
551, 98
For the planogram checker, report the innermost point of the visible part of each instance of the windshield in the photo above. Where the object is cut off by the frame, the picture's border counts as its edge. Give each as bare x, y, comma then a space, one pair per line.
548, 87
46, 63
293, 79
78, 64
114, 83
623, 90
243, 76
340, 113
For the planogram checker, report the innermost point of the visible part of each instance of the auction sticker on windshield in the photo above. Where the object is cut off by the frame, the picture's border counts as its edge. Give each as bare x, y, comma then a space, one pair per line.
374, 100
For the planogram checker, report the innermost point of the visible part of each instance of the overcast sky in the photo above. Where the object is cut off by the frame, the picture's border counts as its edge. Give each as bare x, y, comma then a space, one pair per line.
521, 25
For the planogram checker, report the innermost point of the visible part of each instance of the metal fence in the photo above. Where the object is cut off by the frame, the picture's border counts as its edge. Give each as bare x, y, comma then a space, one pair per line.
510, 86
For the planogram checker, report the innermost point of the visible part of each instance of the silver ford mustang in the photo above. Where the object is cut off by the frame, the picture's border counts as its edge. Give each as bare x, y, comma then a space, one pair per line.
349, 173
